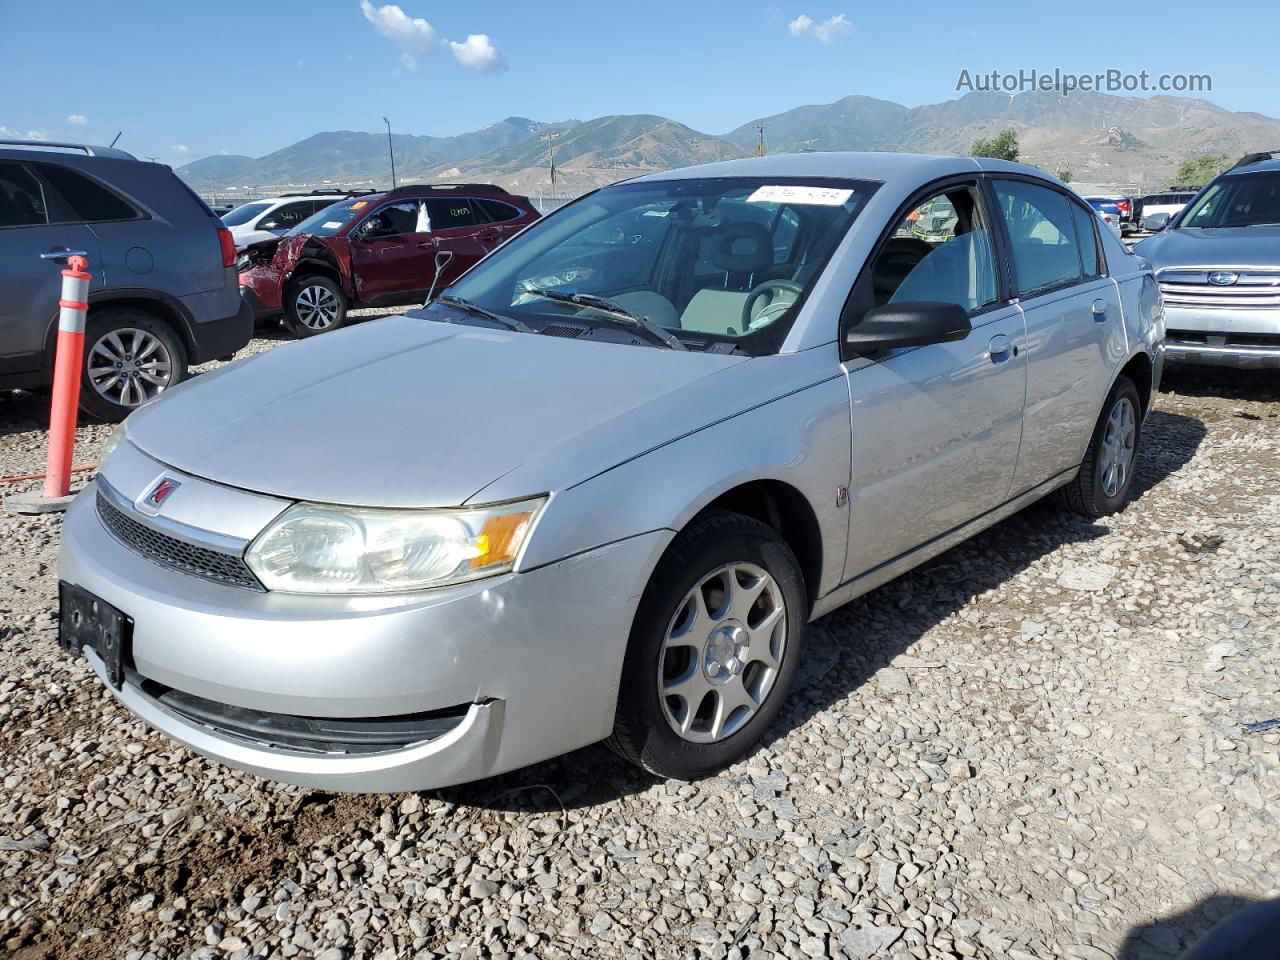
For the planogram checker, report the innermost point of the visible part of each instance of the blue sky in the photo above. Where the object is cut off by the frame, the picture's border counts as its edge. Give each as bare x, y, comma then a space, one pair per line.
187, 79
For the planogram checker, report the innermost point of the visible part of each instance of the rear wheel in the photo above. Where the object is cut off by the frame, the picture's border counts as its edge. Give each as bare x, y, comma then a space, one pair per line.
713, 650
130, 357
314, 305
1106, 474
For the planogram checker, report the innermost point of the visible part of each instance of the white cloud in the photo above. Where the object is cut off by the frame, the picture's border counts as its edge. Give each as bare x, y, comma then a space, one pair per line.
181, 149
77, 119
828, 31
413, 35
37, 134
478, 53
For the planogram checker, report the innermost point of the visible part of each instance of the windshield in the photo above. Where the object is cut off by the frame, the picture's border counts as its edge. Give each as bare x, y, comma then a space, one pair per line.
244, 214
1240, 200
331, 219
714, 261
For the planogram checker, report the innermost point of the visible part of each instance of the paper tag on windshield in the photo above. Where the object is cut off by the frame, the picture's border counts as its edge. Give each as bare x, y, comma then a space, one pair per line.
332, 224
818, 196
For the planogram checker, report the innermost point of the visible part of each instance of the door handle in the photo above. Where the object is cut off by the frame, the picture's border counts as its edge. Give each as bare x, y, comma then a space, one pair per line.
489, 237
60, 255
1099, 310
999, 348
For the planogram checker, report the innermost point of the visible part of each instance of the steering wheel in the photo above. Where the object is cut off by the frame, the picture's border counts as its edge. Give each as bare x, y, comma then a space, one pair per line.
774, 308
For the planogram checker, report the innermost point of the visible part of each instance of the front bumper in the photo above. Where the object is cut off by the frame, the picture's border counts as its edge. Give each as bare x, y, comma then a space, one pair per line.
532, 659
1241, 338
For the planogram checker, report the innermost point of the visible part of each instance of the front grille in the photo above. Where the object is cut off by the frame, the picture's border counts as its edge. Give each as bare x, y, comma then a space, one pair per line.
320, 735
1268, 340
171, 552
1253, 288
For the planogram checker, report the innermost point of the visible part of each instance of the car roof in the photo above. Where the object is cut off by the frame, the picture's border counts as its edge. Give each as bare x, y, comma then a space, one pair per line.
13, 148
880, 167
1260, 166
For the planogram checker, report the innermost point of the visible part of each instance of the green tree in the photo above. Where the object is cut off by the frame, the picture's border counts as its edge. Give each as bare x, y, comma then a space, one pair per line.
1064, 175
1004, 146
1199, 171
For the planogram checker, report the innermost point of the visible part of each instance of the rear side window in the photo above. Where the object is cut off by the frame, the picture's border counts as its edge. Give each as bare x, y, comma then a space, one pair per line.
89, 201
495, 211
1042, 236
446, 212
1087, 238
289, 215
21, 199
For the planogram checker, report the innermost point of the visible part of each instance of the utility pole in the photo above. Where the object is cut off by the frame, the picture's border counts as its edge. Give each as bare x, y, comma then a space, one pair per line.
760, 140
392, 152
549, 140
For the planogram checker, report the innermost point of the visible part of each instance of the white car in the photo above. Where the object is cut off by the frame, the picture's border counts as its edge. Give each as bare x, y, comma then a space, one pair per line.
1170, 204
273, 217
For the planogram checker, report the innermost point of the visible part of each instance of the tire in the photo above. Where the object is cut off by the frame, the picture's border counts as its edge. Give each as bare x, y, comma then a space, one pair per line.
130, 357
1097, 491
314, 305
699, 562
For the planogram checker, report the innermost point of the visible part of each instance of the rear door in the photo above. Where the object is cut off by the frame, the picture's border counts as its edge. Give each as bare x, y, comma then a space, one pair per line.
33, 221
1075, 329
456, 229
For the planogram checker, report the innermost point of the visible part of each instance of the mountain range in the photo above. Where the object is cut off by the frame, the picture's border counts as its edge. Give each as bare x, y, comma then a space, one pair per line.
1120, 142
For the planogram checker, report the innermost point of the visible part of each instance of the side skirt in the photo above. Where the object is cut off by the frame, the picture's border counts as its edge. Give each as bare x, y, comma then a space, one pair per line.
895, 567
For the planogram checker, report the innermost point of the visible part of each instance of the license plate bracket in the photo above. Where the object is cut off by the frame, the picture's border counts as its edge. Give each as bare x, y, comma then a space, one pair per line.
85, 620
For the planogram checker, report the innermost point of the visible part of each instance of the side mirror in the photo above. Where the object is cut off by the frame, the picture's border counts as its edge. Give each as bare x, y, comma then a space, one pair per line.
1156, 222
908, 325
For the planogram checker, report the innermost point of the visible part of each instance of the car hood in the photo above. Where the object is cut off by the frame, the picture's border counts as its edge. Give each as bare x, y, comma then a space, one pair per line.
1212, 247
406, 412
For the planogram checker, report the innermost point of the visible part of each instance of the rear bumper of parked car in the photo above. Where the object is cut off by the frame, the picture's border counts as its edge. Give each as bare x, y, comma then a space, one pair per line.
510, 671
1244, 338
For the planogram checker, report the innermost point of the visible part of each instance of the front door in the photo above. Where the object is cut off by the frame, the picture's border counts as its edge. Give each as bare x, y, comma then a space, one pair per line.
393, 253
936, 429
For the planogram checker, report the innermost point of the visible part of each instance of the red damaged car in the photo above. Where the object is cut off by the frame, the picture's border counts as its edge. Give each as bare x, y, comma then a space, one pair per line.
378, 249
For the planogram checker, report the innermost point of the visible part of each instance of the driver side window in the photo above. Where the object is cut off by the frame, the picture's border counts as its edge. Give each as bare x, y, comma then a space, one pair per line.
392, 220
940, 251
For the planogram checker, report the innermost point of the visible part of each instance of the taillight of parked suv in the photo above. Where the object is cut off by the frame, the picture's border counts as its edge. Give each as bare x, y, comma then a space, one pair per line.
1125, 205
228, 245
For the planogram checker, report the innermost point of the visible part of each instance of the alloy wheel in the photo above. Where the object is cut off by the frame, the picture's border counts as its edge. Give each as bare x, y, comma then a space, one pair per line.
1118, 447
317, 307
722, 652
129, 366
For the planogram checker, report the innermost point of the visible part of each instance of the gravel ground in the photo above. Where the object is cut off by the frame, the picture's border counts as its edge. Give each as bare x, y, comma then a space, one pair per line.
1036, 746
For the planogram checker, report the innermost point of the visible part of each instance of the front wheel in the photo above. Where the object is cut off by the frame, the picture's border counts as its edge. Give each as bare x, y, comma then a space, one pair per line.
314, 305
713, 649
1106, 475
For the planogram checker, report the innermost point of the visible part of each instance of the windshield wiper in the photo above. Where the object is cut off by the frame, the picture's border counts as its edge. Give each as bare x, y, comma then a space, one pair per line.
605, 305
466, 306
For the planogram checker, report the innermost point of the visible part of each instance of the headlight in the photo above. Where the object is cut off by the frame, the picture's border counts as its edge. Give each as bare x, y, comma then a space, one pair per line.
316, 548
118, 436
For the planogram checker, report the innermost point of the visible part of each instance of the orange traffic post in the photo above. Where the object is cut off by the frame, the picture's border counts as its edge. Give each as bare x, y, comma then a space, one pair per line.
68, 361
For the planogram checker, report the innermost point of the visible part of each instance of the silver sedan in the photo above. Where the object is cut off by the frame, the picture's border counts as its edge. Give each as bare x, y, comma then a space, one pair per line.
596, 489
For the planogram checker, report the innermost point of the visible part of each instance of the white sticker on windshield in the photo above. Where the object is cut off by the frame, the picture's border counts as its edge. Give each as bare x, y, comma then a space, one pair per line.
332, 224
818, 196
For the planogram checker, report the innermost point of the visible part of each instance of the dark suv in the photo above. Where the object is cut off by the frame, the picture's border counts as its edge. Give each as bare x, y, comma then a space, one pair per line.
377, 250
164, 292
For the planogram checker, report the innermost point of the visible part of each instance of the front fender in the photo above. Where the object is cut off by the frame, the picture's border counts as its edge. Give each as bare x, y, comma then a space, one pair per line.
802, 439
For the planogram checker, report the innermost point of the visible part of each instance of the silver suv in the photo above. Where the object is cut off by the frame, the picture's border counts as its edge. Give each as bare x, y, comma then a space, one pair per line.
1218, 264
597, 489
164, 293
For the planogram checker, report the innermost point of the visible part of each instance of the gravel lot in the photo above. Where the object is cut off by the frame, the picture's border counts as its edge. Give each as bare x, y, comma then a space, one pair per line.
1035, 746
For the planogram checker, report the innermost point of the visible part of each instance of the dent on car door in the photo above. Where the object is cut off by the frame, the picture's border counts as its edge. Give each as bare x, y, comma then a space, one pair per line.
936, 428
1075, 329
29, 285
391, 252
